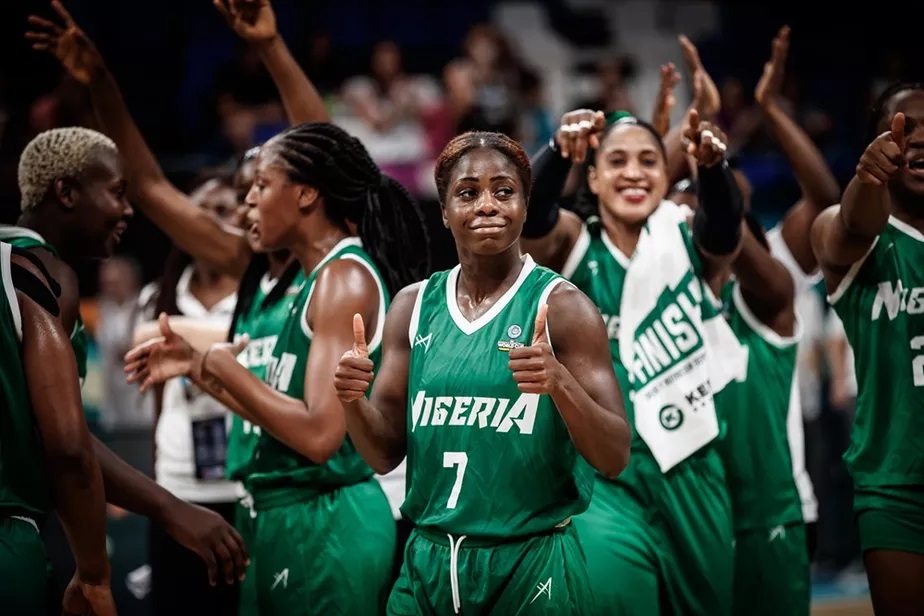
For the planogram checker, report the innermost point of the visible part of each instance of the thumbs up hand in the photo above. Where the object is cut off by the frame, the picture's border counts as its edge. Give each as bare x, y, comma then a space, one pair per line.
534, 367
885, 156
354, 373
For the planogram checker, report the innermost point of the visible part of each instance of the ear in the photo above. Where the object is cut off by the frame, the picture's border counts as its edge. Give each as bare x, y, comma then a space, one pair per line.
443, 216
66, 192
592, 180
307, 197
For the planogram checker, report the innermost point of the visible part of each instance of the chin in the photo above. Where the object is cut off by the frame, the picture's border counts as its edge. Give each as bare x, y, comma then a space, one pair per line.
633, 214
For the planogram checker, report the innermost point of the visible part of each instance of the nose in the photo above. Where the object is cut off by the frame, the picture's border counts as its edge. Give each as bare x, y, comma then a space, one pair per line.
127, 210
632, 170
250, 199
486, 205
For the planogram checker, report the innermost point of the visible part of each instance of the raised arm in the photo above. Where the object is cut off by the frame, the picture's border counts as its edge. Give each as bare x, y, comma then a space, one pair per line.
766, 285
578, 376
255, 22
550, 233
378, 426
76, 482
843, 234
717, 222
819, 186
191, 228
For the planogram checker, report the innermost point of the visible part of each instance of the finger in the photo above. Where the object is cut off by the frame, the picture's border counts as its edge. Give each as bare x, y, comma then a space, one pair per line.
210, 564
525, 352
526, 364
238, 557
359, 336
65, 15
583, 141
562, 140
891, 152
353, 388
533, 388
530, 376
163, 321
362, 365
142, 349
35, 20
223, 10
690, 53
38, 36
225, 562
348, 373
40, 46
539, 331
693, 121
898, 130
238, 347
868, 178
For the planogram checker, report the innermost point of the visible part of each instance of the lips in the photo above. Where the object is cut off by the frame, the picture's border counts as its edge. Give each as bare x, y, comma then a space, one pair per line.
633, 194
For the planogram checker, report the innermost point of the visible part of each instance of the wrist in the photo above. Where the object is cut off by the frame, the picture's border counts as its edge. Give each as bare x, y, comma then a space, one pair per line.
265, 45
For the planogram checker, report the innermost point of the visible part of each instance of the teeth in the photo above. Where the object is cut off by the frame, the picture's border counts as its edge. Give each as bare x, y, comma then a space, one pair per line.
633, 192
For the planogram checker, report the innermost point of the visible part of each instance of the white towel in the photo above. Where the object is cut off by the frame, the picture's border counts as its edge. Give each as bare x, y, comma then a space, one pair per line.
678, 349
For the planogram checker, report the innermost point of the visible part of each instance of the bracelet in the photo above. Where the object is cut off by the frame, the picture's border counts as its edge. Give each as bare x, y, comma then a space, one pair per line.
209, 381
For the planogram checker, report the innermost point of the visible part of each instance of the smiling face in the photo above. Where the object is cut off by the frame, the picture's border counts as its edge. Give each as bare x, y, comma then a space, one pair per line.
100, 206
485, 202
629, 174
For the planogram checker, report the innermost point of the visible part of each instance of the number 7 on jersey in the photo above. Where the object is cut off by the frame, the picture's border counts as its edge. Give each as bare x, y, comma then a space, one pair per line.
459, 459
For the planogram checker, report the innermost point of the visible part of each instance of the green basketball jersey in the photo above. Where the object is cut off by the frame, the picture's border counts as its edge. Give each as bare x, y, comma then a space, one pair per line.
26, 238
598, 268
23, 485
262, 322
484, 459
275, 466
758, 413
881, 303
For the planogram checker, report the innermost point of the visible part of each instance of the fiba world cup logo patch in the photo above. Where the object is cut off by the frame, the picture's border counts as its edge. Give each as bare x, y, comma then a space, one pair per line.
671, 417
510, 342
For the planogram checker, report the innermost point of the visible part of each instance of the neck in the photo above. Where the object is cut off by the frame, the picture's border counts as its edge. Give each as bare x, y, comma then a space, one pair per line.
204, 276
53, 233
623, 235
278, 262
483, 276
316, 239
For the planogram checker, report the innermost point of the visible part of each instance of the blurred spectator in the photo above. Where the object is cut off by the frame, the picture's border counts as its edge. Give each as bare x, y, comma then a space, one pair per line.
614, 74
385, 110
485, 87
122, 405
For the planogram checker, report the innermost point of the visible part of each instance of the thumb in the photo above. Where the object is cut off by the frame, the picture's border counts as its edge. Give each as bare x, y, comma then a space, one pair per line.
239, 345
898, 130
540, 334
164, 322
359, 336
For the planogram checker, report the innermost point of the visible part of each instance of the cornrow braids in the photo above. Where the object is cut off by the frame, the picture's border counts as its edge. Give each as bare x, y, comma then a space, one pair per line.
880, 106
55, 154
474, 140
390, 223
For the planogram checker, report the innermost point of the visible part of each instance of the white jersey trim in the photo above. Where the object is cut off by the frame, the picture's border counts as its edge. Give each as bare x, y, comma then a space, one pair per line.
8, 289
765, 332
577, 253
470, 327
349, 241
796, 440
906, 229
544, 299
848, 278
414, 325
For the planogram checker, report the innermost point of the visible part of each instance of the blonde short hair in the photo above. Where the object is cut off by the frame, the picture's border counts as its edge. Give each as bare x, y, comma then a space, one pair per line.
55, 154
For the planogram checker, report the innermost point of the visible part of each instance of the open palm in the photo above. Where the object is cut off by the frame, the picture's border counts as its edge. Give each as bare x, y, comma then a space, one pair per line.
69, 44
160, 359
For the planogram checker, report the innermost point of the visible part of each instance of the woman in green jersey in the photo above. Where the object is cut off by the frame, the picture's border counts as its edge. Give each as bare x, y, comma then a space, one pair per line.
657, 540
323, 536
493, 422
870, 248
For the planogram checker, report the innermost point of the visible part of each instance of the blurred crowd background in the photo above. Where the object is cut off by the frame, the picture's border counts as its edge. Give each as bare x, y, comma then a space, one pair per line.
405, 76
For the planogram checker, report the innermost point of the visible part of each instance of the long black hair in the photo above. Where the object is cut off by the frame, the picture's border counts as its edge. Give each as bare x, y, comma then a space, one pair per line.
390, 223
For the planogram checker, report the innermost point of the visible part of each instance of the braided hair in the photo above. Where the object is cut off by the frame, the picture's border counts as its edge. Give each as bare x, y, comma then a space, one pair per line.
390, 223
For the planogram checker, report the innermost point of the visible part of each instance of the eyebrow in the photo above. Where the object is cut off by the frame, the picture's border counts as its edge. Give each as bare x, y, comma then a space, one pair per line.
502, 176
